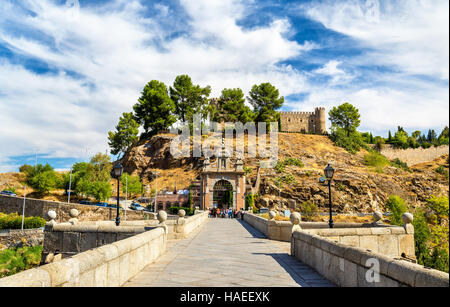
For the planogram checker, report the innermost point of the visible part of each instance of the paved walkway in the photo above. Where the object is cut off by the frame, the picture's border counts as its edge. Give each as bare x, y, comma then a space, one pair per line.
227, 253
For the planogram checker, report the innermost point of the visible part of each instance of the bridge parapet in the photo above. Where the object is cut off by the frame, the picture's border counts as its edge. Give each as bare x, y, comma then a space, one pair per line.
349, 266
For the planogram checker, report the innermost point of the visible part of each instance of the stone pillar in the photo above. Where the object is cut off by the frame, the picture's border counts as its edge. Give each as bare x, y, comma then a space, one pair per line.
407, 219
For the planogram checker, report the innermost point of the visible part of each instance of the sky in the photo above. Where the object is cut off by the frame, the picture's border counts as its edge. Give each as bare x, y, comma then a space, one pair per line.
69, 69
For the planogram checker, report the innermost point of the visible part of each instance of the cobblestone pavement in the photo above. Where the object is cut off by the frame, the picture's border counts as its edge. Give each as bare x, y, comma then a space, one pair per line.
227, 253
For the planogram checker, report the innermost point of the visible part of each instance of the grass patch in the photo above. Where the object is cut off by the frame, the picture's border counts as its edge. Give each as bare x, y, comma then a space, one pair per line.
18, 259
376, 161
277, 218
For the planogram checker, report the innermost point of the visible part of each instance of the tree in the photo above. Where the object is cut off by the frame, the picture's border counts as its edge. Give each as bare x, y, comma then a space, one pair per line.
100, 167
444, 137
432, 136
43, 182
154, 108
131, 184
93, 178
126, 134
231, 107
389, 137
401, 138
265, 99
345, 116
188, 98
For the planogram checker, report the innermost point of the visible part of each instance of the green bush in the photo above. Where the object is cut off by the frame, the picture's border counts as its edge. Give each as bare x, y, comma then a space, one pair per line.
293, 161
400, 164
376, 160
14, 221
421, 236
352, 143
14, 260
279, 167
308, 210
443, 171
397, 206
249, 201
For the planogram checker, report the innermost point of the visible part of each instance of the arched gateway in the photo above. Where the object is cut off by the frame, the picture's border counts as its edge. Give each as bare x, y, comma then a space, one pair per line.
223, 183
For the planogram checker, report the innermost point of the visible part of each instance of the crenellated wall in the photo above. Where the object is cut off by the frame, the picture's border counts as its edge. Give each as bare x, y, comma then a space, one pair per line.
305, 122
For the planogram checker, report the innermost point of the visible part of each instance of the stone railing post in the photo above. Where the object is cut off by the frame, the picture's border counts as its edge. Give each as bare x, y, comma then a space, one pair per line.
162, 217
377, 218
73, 214
407, 219
272, 215
52, 216
295, 218
181, 214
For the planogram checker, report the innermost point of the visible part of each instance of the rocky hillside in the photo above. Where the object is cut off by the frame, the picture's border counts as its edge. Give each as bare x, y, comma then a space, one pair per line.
355, 186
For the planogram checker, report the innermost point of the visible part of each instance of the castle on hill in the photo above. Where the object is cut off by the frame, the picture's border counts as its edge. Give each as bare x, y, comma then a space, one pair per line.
300, 122
304, 122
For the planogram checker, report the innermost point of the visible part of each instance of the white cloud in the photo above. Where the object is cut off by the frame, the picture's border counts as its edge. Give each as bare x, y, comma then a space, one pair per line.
410, 35
111, 49
338, 76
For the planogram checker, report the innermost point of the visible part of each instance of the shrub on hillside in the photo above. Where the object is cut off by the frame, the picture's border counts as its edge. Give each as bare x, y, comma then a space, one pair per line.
249, 201
308, 209
352, 143
14, 260
376, 160
400, 164
443, 171
397, 206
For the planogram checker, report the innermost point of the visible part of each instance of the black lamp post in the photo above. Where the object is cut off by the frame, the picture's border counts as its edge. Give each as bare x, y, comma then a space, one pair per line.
329, 172
118, 170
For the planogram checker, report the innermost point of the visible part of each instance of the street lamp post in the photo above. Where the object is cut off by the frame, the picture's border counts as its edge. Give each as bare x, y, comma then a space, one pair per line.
118, 170
70, 186
329, 172
156, 190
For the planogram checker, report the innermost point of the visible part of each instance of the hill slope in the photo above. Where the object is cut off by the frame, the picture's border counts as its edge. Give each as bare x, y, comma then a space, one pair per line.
355, 185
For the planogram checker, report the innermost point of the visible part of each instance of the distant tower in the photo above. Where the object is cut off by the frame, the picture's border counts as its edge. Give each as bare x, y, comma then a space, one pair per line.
320, 121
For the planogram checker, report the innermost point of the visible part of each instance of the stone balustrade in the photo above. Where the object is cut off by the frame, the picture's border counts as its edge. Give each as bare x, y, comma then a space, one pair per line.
348, 266
183, 226
108, 265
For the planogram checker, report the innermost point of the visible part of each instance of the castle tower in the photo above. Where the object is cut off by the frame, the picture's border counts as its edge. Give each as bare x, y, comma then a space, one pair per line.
320, 121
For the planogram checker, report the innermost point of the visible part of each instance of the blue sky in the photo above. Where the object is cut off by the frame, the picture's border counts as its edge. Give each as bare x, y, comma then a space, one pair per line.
68, 69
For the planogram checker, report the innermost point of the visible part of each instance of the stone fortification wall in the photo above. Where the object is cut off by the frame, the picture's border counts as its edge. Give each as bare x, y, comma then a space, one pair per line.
414, 156
10, 238
348, 266
38, 207
305, 122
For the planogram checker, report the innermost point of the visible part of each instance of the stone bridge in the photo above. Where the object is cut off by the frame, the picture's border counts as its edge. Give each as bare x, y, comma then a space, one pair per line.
198, 251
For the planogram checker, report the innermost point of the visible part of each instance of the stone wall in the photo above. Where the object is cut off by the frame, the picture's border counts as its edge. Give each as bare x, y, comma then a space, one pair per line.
415, 156
67, 240
348, 266
305, 122
110, 265
182, 227
389, 241
10, 238
38, 207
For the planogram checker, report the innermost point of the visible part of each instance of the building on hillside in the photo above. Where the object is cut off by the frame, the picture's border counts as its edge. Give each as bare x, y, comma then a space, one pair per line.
304, 122
222, 182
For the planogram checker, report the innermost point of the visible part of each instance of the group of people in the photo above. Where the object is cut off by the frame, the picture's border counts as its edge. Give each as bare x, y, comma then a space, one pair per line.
222, 213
